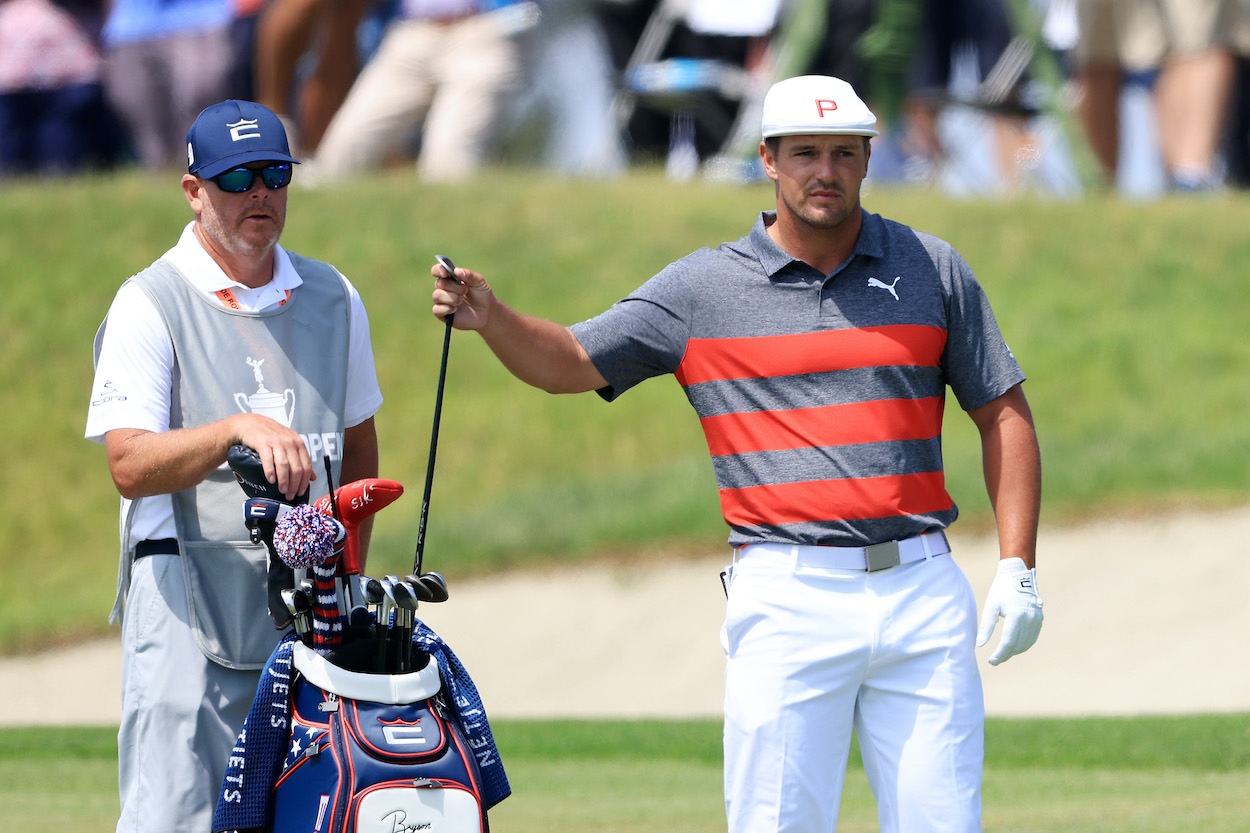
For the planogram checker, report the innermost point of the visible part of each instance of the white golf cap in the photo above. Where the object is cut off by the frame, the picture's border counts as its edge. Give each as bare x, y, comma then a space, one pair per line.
816, 104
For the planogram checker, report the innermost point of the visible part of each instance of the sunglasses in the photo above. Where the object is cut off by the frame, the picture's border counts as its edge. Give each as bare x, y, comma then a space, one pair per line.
240, 179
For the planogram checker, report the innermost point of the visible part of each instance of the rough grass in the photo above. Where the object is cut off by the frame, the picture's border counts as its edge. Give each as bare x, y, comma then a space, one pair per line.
1127, 318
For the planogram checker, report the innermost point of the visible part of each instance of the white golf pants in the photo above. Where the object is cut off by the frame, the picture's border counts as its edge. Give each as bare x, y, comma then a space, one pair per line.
814, 653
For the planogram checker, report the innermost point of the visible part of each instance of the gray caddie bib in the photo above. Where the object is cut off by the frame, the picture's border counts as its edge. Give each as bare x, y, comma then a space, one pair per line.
288, 363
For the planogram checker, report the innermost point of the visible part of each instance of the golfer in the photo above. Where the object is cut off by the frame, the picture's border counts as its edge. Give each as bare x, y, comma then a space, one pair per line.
226, 339
817, 351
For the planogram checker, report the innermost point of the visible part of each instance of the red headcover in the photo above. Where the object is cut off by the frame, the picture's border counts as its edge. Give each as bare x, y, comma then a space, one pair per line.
356, 501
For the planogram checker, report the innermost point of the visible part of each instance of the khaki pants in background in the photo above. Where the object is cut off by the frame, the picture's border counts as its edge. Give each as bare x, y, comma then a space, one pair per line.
450, 78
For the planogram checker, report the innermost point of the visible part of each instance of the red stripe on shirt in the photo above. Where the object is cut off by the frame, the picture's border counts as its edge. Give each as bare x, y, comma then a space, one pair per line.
711, 359
859, 422
841, 500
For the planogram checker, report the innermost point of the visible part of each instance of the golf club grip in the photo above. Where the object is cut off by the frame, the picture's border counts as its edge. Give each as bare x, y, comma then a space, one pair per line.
445, 262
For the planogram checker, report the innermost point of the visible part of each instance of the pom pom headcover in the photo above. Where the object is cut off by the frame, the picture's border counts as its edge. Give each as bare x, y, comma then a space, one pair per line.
305, 537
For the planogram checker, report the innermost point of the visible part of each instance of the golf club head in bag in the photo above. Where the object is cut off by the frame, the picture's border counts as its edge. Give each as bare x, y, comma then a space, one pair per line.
429, 587
261, 518
245, 463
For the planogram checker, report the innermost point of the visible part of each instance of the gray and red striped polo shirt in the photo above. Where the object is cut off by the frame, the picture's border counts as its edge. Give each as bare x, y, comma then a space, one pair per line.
821, 397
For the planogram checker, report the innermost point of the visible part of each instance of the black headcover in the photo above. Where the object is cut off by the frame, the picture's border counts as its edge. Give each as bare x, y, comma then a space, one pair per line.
247, 468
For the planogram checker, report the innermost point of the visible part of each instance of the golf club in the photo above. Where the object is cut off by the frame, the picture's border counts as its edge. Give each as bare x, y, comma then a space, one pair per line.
297, 603
288, 598
345, 589
446, 263
430, 587
390, 613
405, 618
261, 516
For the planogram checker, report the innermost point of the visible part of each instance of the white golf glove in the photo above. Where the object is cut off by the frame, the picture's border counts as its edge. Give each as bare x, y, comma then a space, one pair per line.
1013, 596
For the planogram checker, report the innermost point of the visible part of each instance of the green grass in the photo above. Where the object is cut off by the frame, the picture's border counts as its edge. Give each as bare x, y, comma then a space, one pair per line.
1127, 318
1109, 775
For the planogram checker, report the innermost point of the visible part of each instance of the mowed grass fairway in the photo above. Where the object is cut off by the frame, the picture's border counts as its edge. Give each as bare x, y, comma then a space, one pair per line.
1141, 775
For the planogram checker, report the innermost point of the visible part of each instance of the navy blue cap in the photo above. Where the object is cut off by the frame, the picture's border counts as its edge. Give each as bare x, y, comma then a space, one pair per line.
234, 133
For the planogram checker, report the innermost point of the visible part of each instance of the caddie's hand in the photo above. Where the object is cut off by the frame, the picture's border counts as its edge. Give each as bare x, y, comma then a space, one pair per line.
282, 453
465, 294
1013, 597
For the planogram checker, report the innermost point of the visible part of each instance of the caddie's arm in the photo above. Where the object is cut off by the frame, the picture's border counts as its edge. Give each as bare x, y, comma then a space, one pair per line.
1013, 478
145, 463
538, 352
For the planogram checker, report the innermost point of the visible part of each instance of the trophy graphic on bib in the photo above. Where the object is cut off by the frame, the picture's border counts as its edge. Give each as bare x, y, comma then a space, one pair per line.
279, 407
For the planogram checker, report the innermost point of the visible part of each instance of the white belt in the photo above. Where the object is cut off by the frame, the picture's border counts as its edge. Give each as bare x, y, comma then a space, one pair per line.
870, 559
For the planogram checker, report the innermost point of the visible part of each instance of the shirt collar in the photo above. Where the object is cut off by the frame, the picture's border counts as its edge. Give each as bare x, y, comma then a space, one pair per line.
193, 260
773, 258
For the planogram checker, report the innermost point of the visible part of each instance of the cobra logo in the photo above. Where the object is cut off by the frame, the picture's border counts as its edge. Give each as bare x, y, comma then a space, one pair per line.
404, 734
244, 129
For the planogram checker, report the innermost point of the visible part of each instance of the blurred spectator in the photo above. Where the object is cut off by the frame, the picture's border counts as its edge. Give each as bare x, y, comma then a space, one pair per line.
242, 79
1194, 88
53, 118
165, 61
444, 67
322, 32
685, 67
1120, 42
571, 82
839, 54
1238, 146
951, 28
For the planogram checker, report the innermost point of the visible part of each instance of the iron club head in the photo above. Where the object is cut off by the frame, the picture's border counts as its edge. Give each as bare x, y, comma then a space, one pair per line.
431, 587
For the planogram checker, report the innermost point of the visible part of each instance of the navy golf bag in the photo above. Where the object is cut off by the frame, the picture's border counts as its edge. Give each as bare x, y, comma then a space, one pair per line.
372, 753
331, 750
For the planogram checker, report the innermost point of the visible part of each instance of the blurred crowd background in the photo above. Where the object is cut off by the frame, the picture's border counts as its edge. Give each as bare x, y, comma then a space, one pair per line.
1145, 97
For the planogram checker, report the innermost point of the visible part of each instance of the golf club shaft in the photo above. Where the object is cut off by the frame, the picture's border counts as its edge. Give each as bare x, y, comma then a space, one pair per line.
438, 413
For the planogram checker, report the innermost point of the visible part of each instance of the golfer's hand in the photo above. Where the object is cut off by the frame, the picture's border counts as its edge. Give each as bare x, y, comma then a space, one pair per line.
1013, 597
465, 295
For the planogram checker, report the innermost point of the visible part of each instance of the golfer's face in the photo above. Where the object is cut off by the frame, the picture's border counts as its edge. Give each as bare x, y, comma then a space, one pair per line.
818, 177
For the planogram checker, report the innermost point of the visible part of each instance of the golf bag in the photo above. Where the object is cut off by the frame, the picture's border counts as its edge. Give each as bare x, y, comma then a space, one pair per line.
372, 753
357, 727
331, 750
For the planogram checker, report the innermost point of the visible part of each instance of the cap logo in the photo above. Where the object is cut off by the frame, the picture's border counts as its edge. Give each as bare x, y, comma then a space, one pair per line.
825, 106
238, 129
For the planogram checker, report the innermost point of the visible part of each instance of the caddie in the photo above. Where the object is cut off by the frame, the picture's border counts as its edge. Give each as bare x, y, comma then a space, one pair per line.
226, 339
817, 351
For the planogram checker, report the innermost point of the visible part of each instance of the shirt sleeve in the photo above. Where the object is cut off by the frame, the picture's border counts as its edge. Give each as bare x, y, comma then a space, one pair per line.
134, 372
978, 364
642, 335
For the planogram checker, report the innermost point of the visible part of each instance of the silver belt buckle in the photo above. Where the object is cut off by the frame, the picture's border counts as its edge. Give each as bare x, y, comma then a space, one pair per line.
882, 556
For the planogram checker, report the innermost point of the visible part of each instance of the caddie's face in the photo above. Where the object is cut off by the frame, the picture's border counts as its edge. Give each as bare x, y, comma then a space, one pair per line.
246, 224
818, 177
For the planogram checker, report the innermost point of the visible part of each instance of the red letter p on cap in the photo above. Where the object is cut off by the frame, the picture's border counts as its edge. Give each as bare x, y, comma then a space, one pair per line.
824, 106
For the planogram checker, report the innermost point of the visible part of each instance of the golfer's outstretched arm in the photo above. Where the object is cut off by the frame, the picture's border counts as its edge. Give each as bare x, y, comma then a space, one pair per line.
538, 352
